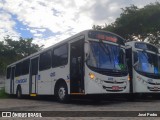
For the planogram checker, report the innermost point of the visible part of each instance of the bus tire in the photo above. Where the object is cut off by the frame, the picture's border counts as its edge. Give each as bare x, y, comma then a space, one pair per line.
19, 92
62, 93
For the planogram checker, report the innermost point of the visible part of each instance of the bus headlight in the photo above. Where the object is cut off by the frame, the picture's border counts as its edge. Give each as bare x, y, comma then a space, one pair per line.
91, 75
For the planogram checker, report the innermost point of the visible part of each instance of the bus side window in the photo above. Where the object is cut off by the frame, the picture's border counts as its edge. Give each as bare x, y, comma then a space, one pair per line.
18, 71
25, 67
60, 56
34, 66
45, 60
8, 72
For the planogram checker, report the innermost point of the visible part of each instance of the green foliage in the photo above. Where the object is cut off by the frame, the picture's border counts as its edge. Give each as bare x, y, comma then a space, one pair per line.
11, 51
139, 23
3, 94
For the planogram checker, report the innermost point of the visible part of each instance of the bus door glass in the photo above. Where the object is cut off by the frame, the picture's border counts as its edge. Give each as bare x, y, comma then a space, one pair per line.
76, 67
12, 80
33, 75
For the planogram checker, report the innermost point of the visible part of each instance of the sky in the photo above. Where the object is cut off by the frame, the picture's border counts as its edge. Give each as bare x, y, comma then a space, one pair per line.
51, 21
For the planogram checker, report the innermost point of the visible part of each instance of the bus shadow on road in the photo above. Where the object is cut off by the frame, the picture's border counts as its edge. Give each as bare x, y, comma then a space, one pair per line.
89, 101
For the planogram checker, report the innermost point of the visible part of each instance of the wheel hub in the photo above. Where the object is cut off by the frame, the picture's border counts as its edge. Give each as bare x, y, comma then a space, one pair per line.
61, 93
18, 94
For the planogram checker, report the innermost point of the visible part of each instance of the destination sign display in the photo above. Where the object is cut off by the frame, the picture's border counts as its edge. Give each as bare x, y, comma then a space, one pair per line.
106, 36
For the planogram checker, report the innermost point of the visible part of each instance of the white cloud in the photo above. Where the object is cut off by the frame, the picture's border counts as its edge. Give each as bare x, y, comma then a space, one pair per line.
38, 35
7, 26
65, 17
41, 30
114, 7
51, 40
37, 15
33, 31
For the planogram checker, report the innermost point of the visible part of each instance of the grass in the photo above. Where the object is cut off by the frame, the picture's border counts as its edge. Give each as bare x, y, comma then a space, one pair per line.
3, 94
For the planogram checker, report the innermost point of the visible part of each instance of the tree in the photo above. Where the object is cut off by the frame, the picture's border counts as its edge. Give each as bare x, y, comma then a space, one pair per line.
11, 50
138, 23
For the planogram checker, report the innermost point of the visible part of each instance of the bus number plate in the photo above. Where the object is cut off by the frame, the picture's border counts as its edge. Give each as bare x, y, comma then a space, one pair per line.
115, 88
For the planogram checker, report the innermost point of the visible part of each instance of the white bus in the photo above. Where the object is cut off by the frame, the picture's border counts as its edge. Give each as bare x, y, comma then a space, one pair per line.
143, 67
88, 63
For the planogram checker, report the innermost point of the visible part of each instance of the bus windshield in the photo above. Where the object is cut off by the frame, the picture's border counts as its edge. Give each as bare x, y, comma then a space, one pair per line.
106, 56
147, 63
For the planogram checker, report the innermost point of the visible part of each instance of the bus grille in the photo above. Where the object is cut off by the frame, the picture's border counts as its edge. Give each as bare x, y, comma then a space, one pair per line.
154, 88
111, 90
114, 82
153, 83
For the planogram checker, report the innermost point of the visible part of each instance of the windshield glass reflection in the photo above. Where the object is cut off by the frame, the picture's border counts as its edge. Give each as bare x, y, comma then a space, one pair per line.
147, 62
106, 56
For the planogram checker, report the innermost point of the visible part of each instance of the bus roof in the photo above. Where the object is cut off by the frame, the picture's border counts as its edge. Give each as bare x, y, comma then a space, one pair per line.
85, 32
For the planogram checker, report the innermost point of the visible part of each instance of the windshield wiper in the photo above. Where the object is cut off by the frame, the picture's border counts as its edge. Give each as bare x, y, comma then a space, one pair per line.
109, 54
104, 49
150, 58
145, 55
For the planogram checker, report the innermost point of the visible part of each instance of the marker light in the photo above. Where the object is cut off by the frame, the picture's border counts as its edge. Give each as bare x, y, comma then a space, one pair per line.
91, 75
129, 78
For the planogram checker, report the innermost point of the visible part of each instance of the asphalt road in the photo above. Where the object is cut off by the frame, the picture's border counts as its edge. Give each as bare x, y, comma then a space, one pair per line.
47, 104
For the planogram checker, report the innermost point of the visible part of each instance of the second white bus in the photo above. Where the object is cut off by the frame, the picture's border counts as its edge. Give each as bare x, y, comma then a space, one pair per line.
143, 67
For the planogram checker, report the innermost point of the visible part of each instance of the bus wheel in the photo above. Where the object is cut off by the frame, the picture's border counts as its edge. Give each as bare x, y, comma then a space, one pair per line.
62, 93
19, 92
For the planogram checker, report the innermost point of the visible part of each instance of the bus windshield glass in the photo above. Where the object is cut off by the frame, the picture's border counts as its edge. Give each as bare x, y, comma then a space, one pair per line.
106, 56
147, 62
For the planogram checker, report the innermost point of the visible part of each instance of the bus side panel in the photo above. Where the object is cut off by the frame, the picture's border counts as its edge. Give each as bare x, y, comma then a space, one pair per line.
60, 73
139, 83
7, 86
90, 86
44, 82
25, 85
23, 81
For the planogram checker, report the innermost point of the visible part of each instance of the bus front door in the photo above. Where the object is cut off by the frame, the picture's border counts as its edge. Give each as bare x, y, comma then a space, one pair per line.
33, 76
76, 67
12, 80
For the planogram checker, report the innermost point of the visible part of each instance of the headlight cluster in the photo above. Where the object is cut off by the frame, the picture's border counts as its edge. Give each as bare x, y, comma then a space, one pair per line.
91, 75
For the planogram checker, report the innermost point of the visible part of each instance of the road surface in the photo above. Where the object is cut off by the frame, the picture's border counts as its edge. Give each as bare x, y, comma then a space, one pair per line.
147, 104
